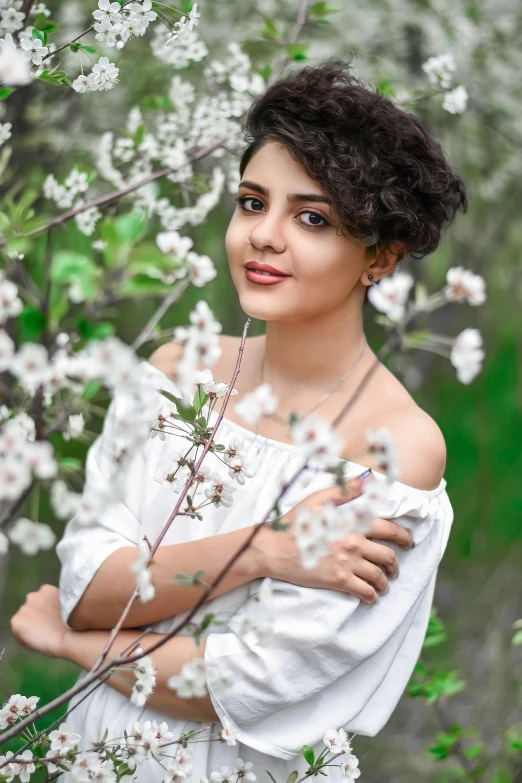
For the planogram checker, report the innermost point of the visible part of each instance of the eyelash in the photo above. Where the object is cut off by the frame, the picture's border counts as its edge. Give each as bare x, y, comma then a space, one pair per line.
241, 201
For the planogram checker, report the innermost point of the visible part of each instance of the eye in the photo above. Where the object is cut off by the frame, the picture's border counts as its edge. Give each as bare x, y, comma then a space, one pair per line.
241, 200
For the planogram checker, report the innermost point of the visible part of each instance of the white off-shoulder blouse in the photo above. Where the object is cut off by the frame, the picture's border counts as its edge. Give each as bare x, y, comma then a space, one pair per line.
331, 661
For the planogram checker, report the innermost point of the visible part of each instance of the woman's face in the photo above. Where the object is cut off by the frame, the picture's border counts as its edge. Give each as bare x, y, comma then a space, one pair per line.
296, 237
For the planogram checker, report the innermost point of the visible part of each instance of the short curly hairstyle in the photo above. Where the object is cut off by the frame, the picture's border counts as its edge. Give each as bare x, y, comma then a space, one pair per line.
388, 178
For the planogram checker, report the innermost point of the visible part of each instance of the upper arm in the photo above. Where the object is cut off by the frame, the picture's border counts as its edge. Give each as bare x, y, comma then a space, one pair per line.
421, 449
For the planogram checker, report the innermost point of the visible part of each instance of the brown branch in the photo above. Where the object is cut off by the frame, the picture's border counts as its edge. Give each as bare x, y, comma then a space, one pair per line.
117, 194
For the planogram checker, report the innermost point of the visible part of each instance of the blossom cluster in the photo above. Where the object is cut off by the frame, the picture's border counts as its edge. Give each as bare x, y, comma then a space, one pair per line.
391, 296
440, 70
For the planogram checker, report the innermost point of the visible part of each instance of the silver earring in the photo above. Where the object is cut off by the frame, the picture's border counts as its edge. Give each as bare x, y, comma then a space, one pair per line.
372, 281
248, 240
396, 269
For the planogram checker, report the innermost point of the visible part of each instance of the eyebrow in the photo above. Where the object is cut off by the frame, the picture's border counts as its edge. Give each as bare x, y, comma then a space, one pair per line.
291, 197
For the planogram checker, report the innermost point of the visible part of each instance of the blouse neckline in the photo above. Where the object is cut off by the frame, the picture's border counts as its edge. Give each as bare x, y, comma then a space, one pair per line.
292, 449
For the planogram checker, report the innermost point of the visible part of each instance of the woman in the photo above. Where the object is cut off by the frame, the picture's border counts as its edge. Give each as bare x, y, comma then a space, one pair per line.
336, 183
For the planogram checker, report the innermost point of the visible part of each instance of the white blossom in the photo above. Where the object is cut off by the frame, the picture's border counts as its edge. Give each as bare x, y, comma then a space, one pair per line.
381, 445
10, 304
456, 101
191, 682
242, 772
63, 739
440, 70
31, 366
220, 490
107, 12
211, 386
76, 425
260, 402
228, 732
201, 269
14, 67
316, 441
464, 285
467, 355
337, 741
350, 768
140, 568
255, 621
145, 679
171, 243
11, 19
106, 73
34, 50
7, 350
390, 295
64, 503
17, 706
240, 469
5, 132
31, 536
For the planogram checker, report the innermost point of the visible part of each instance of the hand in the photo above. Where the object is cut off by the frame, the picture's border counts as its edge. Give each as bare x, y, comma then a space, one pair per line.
38, 624
355, 564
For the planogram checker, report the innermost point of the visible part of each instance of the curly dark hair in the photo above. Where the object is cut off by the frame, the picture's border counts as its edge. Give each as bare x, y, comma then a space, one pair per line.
388, 178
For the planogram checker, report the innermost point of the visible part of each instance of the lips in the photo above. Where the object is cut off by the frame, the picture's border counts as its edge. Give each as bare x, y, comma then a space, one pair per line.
265, 269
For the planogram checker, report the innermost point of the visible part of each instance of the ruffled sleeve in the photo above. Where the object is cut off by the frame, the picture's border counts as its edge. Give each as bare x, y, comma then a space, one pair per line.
86, 544
333, 661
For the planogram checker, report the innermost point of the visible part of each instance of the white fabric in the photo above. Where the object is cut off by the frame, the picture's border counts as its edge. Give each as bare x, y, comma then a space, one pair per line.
332, 662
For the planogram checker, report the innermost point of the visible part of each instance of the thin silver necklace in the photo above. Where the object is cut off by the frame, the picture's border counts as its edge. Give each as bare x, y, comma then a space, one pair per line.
347, 373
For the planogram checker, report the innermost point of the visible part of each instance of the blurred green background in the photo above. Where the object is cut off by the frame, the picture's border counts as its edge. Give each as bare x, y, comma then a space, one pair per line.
479, 590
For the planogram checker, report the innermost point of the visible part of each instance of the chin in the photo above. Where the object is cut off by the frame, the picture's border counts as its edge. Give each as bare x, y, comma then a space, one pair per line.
258, 307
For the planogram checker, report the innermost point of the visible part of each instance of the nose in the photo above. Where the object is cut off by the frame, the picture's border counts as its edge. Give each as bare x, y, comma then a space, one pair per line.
268, 233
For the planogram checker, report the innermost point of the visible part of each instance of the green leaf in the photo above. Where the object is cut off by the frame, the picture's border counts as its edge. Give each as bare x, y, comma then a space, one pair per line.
32, 323
57, 78
270, 31
139, 135
292, 777
130, 227
308, 753
321, 9
91, 389
501, 776
74, 269
5, 92
94, 331
272, 778
474, 751
517, 639
89, 49
74, 47
186, 412
297, 51
199, 400
38, 35
71, 462
50, 27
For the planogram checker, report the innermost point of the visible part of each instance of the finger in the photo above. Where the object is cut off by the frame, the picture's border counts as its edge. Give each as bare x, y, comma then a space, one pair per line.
373, 574
383, 555
361, 589
387, 530
354, 488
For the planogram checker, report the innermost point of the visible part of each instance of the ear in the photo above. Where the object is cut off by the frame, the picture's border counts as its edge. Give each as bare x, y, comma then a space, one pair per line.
384, 262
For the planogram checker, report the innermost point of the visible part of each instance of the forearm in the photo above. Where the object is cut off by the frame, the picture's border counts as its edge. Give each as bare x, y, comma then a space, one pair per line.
105, 598
84, 648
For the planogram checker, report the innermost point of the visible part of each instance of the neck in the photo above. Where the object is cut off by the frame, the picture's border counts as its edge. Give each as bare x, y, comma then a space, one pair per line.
313, 352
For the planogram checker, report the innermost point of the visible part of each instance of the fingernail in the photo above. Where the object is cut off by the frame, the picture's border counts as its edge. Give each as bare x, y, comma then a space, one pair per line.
411, 534
397, 574
366, 473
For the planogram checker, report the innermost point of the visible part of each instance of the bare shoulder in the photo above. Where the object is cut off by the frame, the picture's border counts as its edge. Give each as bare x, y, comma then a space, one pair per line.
420, 446
166, 356
418, 440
